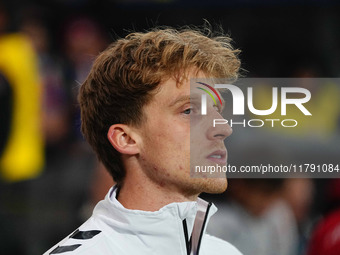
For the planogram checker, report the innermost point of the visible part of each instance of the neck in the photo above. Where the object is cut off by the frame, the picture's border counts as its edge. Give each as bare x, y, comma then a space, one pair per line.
138, 192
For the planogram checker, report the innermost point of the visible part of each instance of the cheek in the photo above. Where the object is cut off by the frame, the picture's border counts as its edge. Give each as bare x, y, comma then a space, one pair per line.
179, 135
198, 140
168, 141
200, 128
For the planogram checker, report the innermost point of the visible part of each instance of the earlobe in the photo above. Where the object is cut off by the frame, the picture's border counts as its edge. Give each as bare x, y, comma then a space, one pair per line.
121, 138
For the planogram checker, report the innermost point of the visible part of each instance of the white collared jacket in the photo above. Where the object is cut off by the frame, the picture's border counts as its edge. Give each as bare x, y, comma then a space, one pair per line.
115, 230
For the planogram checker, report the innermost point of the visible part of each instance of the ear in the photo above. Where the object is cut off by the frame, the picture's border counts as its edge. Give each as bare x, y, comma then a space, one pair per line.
121, 138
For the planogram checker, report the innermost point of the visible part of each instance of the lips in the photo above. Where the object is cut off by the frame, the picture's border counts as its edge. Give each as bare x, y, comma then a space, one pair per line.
219, 157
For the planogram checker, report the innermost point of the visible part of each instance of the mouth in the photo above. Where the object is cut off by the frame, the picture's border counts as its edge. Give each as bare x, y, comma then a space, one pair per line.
219, 157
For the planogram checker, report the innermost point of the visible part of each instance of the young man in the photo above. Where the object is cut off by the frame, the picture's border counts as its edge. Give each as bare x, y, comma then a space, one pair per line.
138, 115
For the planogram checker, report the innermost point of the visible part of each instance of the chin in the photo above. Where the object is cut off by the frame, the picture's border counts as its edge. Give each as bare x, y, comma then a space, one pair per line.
207, 185
216, 185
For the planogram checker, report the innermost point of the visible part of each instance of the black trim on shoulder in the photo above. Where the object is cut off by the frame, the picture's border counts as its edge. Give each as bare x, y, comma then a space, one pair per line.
62, 249
84, 234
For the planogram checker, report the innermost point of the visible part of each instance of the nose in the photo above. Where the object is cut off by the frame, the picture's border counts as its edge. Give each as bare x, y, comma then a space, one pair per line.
221, 130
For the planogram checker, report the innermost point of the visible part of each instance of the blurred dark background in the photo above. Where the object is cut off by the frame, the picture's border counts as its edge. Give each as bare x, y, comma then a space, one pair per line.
52, 196
277, 36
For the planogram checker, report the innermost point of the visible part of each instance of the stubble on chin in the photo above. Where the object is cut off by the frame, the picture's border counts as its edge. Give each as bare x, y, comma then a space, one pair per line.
215, 185
196, 186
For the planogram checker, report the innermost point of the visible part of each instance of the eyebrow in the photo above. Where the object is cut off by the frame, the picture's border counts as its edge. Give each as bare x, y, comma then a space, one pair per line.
192, 97
180, 99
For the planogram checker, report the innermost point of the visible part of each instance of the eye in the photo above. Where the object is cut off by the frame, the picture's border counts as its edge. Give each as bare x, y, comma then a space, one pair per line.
187, 111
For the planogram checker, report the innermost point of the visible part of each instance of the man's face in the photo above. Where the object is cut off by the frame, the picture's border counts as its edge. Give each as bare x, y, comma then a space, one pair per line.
176, 136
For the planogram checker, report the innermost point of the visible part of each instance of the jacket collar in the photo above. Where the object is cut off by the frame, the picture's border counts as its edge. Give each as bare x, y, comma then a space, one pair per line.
167, 222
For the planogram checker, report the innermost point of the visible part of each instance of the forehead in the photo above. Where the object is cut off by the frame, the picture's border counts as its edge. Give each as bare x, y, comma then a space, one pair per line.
177, 85
189, 88
171, 90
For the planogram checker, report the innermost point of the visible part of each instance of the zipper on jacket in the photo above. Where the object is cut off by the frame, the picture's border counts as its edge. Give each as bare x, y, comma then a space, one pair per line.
203, 227
199, 226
